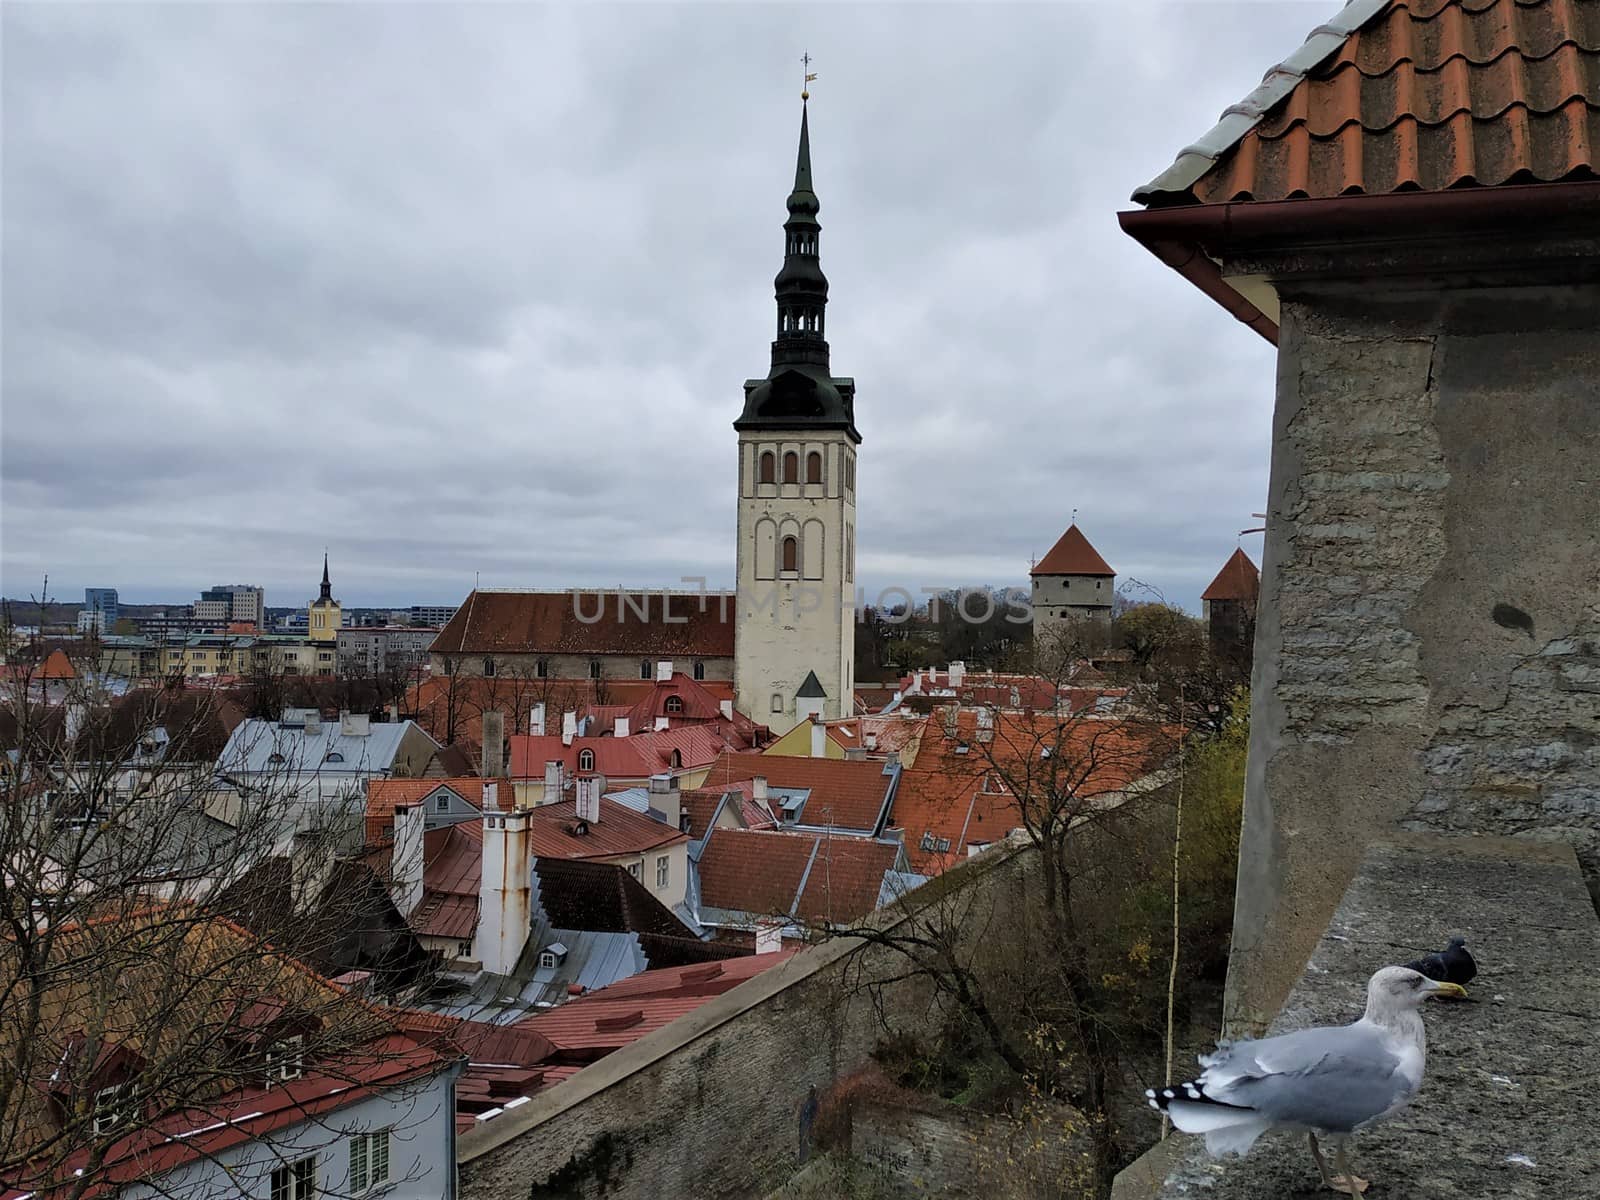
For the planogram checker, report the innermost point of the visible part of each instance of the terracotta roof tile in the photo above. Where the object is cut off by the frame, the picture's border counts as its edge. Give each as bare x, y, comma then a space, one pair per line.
1429, 95
620, 830
844, 794
384, 795
1238, 580
1072, 555
762, 872
672, 625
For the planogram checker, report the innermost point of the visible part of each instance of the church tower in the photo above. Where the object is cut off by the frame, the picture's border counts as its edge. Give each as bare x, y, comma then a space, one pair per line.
324, 615
795, 630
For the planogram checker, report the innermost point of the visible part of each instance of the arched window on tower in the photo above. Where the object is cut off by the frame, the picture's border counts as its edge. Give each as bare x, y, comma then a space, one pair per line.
769, 468
791, 467
814, 467
790, 558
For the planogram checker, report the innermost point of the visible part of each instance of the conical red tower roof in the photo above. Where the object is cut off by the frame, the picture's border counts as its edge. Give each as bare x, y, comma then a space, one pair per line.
1072, 555
1238, 580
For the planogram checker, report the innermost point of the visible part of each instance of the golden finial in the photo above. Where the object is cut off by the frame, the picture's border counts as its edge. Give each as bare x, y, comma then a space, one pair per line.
805, 61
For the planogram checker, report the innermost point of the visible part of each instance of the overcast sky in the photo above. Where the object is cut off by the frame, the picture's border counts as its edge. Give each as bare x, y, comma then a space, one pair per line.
473, 289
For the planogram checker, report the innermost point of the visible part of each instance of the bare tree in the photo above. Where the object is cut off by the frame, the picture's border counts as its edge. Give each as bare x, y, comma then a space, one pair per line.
132, 1001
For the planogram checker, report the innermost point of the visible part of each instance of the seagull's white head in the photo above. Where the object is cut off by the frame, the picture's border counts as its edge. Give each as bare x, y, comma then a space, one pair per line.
1395, 989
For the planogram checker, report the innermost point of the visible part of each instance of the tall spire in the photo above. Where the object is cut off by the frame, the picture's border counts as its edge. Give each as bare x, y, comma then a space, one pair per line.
327, 587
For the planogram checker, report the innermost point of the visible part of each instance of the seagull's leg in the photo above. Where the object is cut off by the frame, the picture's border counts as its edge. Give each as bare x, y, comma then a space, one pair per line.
1346, 1181
1316, 1153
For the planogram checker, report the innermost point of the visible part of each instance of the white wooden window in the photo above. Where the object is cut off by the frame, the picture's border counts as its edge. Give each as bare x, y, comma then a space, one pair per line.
296, 1180
110, 1108
663, 870
286, 1059
369, 1161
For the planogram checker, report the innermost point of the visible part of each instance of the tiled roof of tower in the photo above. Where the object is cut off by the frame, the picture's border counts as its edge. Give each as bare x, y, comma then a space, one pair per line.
1072, 555
1238, 580
1409, 95
673, 625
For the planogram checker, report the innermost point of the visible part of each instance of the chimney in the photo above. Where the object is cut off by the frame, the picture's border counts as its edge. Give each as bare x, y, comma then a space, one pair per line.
494, 742
619, 727
892, 759
313, 722
869, 738
855, 754
758, 788
405, 860
664, 671
536, 720
392, 713
819, 739
589, 789
491, 796
358, 725
769, 936
958, 672
569, 727
660, 784
552, 781
504, 891
661, 723
726, 707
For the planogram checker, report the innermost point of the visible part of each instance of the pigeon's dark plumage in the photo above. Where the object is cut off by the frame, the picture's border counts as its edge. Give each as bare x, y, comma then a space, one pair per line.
1453, 964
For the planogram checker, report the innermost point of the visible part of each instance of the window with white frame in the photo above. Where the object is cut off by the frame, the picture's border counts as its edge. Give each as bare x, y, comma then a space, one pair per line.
441, 804
633, 869
296, 1180
663, 870
585, 760
110, 1107
463, 949
286, 1059
369, 1161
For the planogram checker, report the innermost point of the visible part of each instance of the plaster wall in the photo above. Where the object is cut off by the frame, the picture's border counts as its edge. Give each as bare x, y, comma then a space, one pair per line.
1427, 649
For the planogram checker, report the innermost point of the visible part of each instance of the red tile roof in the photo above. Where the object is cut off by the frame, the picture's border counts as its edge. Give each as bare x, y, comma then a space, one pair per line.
1429, 95
963, 798
672, 625
1238, 580
844, 794
699, 805
621, 1014
762, 872
637, 756
384, 795
1072, 555
619, 831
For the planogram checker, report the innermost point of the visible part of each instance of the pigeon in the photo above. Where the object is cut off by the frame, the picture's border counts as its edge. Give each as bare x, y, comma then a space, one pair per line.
1453, 964
1329, 1079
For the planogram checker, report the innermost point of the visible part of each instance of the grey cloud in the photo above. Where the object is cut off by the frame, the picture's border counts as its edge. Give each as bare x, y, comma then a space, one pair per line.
474, 288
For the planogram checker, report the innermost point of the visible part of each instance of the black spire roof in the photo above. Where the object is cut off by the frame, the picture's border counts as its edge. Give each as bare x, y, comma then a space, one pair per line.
327, 587
799, 391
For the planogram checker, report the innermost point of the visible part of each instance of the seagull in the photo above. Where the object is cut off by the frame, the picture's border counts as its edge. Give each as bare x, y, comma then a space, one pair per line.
1453, 964
1330, 1079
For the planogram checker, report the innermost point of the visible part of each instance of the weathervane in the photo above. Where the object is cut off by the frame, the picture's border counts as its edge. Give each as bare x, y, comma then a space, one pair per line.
805, 62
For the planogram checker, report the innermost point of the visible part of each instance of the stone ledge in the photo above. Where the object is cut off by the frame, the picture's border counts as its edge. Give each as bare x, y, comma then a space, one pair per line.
1505, 1109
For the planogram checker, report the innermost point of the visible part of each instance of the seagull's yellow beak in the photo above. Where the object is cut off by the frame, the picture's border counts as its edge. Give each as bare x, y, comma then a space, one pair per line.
1449, 991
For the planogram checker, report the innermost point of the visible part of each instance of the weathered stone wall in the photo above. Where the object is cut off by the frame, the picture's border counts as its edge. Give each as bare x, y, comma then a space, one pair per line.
1428, 642
711, 1105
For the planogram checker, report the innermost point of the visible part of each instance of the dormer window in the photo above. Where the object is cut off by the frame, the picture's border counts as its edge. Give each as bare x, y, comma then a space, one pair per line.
111, 1107
552, 956
286, 1059
441, 804
676, 760
586, 760
334, 757
674, 704
275, 759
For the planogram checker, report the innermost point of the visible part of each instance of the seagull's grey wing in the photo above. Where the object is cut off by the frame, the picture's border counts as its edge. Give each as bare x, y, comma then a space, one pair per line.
1323, 1078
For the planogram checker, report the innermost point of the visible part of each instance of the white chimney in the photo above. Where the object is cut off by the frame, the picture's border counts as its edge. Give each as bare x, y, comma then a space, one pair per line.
569, 727
503, 896
661, 723
313, 720
405, 859
958, 672
552, 781
664, 671
660, 784
769, 936
758, 788
620, 727
819, 739
869, 738
536, 720
726, 707
589, 789
491, 796
355, 724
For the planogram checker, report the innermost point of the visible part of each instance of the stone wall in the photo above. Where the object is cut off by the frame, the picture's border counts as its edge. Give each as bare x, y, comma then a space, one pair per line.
711, 1105
1428, 642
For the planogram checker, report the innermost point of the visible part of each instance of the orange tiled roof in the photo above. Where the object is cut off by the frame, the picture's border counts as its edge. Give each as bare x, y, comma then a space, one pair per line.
1427, 95
383, 795
844, 794
1072, 555
620, 830
762, 872
1238, 580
